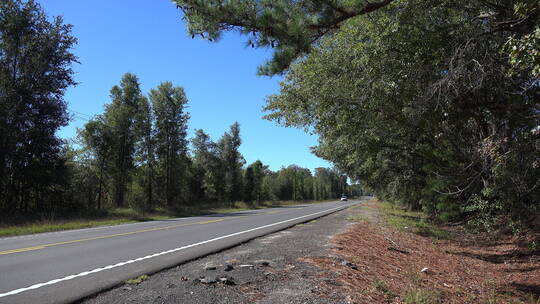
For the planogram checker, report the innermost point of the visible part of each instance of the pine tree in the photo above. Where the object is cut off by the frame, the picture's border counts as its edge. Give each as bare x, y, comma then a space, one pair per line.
291, 27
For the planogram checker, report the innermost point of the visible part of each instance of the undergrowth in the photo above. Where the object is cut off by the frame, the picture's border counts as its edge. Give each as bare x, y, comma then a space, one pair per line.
411, 221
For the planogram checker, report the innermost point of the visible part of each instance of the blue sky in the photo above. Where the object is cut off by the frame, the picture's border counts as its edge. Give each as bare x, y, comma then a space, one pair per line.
148, 38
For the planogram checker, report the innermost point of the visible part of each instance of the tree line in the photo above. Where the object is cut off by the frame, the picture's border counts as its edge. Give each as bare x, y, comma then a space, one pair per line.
135, 154
433, 104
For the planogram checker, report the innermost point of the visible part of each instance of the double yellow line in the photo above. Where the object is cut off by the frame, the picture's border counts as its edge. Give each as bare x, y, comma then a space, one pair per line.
107, 236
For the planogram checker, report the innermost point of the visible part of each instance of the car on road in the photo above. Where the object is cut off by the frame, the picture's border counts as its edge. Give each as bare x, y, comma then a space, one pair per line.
344, 198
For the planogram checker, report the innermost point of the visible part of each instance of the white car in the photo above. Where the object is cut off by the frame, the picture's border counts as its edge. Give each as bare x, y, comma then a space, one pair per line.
344, 198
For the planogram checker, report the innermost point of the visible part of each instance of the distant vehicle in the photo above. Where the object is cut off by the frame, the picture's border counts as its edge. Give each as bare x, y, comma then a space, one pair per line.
343, 198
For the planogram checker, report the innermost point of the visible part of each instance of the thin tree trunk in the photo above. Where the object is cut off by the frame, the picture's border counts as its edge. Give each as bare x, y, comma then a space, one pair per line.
100, 188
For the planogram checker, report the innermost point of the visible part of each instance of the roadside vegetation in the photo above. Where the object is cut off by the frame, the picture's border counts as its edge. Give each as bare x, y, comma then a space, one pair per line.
133, 162
386, 260
431, 104
137, 280
412, 221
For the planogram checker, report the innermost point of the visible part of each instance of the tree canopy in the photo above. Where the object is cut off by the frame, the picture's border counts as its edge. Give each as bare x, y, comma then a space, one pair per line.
432, 104
290, 27
35, 71
422, 103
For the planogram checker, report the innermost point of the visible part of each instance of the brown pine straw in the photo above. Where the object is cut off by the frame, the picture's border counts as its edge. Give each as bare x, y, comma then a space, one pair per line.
463, 270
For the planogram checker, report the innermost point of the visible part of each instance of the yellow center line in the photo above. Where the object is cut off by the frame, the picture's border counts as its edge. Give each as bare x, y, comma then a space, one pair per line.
21, 250
109, 236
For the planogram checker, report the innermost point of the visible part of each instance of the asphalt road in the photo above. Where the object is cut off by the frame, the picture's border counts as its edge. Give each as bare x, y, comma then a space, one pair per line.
62, 267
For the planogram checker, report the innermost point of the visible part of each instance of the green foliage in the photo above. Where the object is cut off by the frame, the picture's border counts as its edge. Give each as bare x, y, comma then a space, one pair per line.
232, 162
253, 184
169, 105
381, 286
523, 47
94, 163
134, 155
290, 27
160, 171
534, 246
208, 174
120, 120
422, 296
410, 221
296, 183
138, 279
35, 71
46, 226
419, 103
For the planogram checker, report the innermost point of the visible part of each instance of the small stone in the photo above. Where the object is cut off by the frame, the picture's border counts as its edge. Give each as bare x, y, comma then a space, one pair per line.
227, 281
290, 266
233, 261
333, 282
263, 263
228, 267
349, 264
207, 281
424, 270
127, 288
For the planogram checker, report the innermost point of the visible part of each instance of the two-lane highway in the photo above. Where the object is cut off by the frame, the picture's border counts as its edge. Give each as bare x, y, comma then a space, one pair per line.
61, 267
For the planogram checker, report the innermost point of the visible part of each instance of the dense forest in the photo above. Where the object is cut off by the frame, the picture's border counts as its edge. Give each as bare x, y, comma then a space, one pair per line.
433, 104
136, 154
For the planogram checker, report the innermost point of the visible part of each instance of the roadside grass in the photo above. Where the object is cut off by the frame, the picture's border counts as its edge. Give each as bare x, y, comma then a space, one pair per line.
416, 222
117, 216
45, 226
307, 223
137, 280
422, 296
380, 286
357, 218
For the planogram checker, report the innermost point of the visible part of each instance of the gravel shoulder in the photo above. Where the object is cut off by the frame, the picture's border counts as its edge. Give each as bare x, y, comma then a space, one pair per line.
269, 269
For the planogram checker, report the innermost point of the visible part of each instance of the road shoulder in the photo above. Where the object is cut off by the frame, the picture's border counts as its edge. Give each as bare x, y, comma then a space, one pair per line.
269, 269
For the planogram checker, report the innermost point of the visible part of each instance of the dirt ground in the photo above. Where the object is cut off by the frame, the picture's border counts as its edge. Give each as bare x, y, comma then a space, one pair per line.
389, 266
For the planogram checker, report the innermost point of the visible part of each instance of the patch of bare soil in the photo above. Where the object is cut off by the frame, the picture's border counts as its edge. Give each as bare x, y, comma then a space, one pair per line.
388, 266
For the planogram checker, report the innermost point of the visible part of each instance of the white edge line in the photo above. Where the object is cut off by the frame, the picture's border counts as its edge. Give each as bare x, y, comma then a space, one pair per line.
85, 273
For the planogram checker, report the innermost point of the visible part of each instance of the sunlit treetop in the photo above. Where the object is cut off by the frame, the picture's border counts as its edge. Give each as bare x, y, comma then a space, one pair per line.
290, 27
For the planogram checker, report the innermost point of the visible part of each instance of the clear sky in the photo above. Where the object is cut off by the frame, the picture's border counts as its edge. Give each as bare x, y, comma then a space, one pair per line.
148, 38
